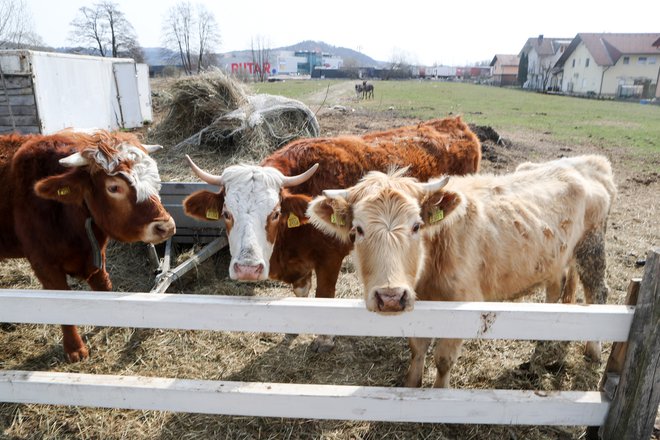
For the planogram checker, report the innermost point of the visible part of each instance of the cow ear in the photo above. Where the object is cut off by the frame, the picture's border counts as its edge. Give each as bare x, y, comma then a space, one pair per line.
204, 205
331, 216
438, 206
65, 188
294, 208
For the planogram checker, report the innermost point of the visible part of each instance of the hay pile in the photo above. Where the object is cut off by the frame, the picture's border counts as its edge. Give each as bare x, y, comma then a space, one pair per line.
216, 111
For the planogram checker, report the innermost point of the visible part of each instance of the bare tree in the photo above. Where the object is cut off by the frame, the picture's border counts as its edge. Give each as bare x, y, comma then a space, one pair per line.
16, 25
192, 33
260, 59
208, 35
107, 29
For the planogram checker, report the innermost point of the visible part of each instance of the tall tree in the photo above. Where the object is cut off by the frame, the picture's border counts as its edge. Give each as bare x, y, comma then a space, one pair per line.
260, 59
193, 33
105, 27
16, 25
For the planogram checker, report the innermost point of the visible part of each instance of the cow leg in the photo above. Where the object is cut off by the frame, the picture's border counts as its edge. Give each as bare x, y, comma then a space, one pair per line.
302, 286
326, 280
570, 285
418, 349
100, 280
590, 259
445, 356
74, 347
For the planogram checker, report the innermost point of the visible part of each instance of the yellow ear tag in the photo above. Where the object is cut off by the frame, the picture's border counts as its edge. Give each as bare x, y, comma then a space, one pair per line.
436, 215
293, 221
212, 214
63, 191
337, 221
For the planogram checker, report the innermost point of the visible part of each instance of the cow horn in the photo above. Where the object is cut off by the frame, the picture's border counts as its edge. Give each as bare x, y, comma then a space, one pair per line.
152, 148
435, 185
206, 177
335, 193
300, 178
74, 160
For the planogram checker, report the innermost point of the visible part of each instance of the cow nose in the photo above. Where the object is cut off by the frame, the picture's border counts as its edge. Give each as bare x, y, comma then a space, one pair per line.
391, 299
164, 229
248, 272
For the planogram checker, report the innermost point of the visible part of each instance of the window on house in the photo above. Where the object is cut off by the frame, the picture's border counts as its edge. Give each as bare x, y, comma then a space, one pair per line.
586, 63
573, 62
652, 60
626, 60
641, 60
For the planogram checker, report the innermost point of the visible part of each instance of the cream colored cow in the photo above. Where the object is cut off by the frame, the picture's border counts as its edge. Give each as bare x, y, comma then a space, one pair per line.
473, 238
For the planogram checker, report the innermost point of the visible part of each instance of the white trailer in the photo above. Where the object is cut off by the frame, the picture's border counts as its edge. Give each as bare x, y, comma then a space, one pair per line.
43, 92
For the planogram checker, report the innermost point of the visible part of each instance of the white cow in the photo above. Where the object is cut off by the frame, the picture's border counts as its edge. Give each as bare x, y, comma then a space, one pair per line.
473, 238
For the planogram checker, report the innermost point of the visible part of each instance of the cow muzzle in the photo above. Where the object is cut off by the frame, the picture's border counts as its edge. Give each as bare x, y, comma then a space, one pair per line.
391, 299
248, 272
159, 231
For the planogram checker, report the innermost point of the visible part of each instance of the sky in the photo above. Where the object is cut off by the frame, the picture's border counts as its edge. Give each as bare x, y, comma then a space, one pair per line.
425, 33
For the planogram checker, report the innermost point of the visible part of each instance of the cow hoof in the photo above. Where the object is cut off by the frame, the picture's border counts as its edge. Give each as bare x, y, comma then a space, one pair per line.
77, 355
323, 344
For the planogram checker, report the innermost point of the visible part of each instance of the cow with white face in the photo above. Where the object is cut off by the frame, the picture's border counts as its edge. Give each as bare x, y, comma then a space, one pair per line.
473, 238
250, 203
264, 206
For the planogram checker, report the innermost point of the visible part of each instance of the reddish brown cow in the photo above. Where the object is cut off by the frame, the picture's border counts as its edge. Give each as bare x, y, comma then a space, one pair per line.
264, 210
64, 195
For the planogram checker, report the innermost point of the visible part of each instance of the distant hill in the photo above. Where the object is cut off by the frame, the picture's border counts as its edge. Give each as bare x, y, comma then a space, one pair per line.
160, 56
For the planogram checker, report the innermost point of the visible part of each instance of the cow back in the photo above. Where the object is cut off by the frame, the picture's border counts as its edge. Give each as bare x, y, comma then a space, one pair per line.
429, 149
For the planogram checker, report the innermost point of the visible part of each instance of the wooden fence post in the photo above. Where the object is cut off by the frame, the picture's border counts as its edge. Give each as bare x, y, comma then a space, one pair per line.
635, 404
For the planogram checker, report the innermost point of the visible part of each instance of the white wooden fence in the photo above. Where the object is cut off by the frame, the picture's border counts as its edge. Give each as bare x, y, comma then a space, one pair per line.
319, 316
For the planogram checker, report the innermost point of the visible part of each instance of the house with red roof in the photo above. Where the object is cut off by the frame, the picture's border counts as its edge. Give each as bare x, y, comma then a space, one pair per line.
608, 64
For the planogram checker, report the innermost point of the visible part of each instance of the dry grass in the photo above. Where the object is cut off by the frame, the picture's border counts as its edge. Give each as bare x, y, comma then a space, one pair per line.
219, 114
280, 358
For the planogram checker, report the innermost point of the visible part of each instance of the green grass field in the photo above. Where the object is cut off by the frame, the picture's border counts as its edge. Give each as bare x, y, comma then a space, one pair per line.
564, 119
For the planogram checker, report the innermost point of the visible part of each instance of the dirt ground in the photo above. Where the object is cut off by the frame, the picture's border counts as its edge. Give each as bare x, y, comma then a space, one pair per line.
633, 230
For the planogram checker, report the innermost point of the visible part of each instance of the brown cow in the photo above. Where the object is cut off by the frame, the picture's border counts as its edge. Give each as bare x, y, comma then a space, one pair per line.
473, 238
264, 211
63, 197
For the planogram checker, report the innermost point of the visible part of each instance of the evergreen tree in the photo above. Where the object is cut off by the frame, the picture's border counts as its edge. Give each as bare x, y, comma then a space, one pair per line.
522, 69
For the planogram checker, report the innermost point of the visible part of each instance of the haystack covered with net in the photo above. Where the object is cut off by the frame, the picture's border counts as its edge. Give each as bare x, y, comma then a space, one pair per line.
215, 111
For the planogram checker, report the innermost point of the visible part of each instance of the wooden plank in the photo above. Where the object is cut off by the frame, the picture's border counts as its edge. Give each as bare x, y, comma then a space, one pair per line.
330, 316
635, 403
19, 120
25, 130
17, 100
19, 110
258, 399
13, 82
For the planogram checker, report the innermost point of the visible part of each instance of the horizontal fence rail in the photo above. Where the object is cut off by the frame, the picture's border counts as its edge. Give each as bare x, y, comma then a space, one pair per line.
306, 401
347, 317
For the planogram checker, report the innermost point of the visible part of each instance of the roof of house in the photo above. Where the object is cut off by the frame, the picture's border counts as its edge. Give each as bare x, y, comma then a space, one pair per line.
606, 49
544, 46
506, 60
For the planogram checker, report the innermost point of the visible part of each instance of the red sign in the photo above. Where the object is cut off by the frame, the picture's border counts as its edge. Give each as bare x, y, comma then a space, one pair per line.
250, 67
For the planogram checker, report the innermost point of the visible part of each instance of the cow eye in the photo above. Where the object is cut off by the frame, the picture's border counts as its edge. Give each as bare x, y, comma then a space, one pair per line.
276, 215
114, 189
226, 215
416, 227
359, 230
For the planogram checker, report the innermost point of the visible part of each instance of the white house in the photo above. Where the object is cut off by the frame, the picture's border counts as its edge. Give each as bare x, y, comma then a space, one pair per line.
542, 54
618, 65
